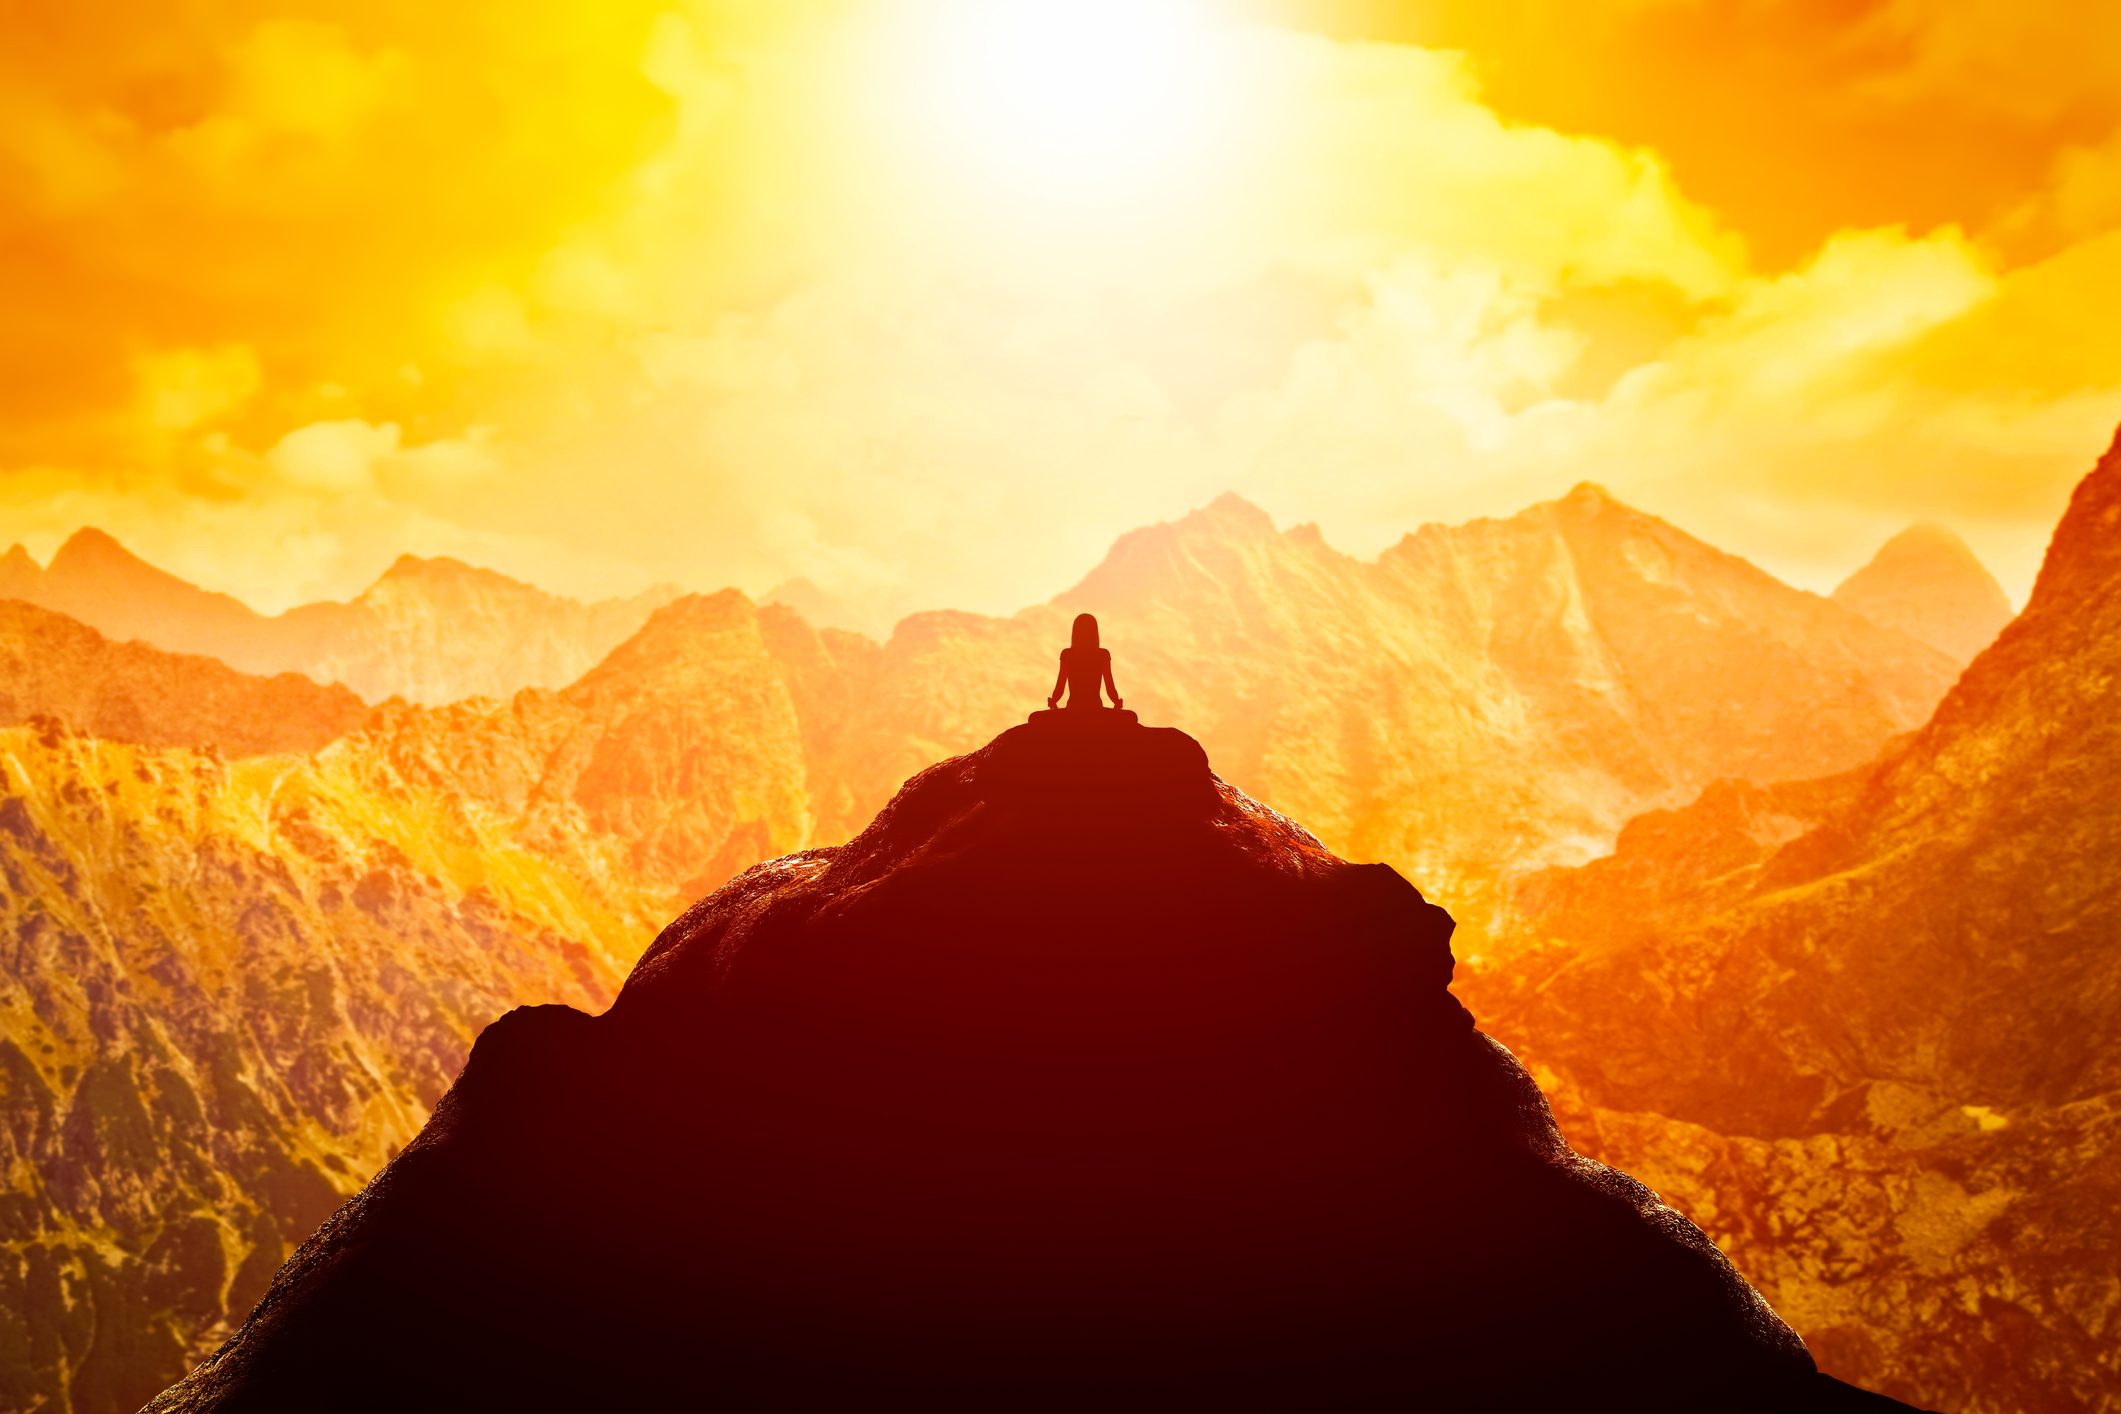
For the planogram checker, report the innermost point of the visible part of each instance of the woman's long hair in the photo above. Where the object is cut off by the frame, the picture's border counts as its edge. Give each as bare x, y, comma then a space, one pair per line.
1085, 632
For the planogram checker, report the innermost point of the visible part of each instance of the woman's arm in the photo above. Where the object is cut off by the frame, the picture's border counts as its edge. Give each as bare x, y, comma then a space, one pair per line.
1060, 680
1114, 691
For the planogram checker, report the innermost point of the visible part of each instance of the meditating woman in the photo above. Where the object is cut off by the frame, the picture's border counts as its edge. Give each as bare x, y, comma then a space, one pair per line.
1084, 667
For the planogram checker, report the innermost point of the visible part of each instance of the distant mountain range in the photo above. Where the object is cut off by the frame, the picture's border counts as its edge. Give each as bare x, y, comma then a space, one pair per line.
298, 910
1868, 1029
1926, 583
429, 631
1479, 699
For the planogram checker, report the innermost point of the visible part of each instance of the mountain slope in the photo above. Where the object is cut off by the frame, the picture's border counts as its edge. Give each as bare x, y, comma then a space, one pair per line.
52, 666
229, 990
96, 580
1921, 987
435, 631
683, 743
429, 631
1472, 704
1927, 584
1076, 1075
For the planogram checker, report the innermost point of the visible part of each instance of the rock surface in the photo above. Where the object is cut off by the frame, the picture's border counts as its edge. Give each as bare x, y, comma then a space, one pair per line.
1077, 1075
1870, 1029
1926, 583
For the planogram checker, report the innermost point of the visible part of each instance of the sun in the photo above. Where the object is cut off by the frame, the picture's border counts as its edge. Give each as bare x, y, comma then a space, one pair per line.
1070, 100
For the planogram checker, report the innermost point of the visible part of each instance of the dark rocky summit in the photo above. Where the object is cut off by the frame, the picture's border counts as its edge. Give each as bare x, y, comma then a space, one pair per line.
1077, 1075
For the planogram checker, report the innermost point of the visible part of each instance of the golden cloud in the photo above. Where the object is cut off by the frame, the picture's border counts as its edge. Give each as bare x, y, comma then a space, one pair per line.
736, 294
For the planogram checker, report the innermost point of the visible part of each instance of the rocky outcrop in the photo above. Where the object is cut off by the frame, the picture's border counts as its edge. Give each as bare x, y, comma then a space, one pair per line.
1897, 1009
1077, 1075
1927, 584
52, 666
429, 630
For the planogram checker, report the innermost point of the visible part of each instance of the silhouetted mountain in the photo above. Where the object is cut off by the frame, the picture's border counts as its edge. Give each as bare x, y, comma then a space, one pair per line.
1927, 584
1077, 1076
52, 666
1438, 685
429, 630
1877, 1041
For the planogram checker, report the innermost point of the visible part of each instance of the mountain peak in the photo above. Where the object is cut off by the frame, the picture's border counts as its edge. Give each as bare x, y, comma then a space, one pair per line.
19, 574
1232, 509
91, 546
1228, 517
445, 571
1156, 553
1058, 990
1926, 537
719, 631
1926, 583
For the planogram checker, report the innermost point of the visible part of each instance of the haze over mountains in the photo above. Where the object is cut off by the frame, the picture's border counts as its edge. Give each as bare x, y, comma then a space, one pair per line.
428, 630
52, 665
1926, 583
1480, 701
1869, 1029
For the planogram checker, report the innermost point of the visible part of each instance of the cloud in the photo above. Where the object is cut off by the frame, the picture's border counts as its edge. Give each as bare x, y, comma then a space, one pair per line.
702, 292
334, 458
349, 458
2029, 61
181, 389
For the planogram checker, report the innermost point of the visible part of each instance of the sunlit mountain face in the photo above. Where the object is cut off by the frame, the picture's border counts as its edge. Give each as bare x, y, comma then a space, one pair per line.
257, 922
479, 478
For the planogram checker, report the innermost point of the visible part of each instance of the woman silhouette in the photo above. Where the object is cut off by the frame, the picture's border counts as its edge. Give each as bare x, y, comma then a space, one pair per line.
1084, 667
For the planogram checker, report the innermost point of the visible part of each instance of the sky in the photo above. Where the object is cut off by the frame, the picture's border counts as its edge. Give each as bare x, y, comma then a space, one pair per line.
926, 301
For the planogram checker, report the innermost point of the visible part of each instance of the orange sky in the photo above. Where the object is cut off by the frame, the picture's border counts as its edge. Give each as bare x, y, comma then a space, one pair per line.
926, 300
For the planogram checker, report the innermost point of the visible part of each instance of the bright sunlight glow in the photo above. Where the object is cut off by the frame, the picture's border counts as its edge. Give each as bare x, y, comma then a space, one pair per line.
1071, 100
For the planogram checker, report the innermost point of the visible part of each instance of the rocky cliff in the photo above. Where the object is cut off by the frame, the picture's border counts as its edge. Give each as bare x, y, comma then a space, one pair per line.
1927, 584
1887, 1016
1077, 1075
